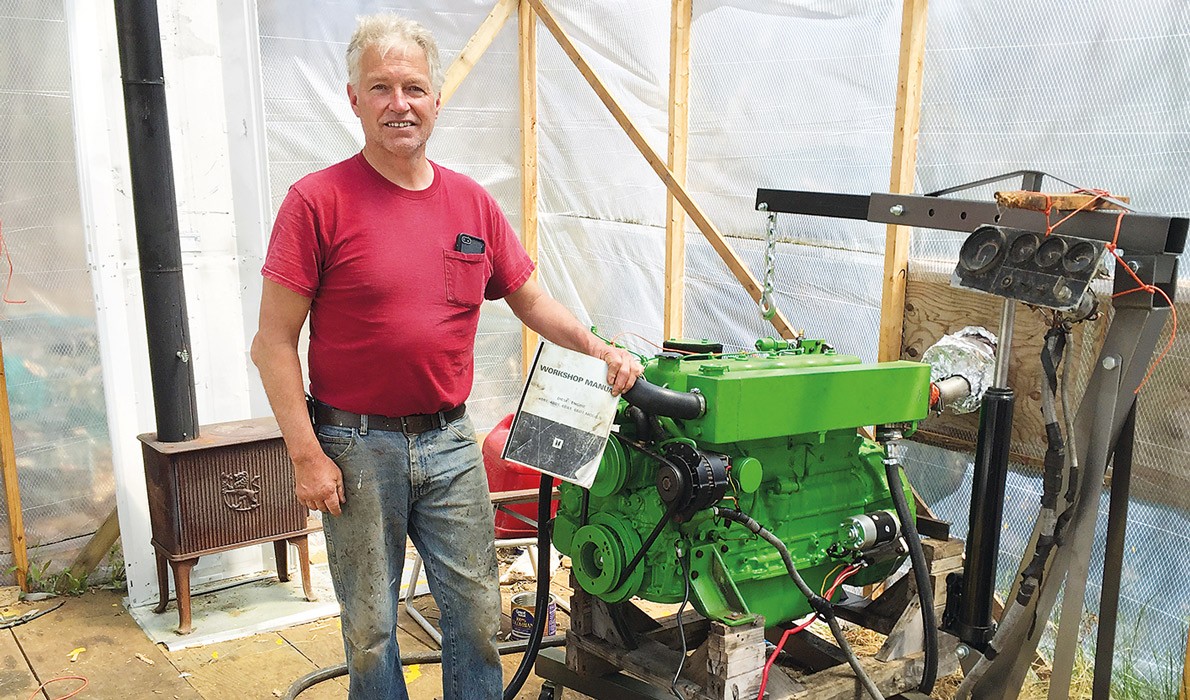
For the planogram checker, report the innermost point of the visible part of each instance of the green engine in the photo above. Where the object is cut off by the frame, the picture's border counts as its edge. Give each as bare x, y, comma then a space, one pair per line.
776, 438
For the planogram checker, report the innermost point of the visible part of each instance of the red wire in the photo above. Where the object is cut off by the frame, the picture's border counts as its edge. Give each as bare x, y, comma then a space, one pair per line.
8, 255
71, 694
845, 574
764, 677
1151, 289
1140, 285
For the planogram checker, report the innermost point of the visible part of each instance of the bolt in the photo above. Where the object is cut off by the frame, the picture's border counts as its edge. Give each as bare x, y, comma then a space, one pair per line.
1064, 294
1134, 265
896, 210
183, 355
1111, 362
733, 615
962, 651
763, 206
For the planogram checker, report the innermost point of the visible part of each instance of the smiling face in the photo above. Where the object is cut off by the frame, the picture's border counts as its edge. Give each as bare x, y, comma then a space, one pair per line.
396, 104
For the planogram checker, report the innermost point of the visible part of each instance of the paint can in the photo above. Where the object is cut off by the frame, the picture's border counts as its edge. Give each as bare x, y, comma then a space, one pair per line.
524, 606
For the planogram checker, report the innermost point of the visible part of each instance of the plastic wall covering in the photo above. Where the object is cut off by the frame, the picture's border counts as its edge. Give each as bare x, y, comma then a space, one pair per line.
997, 98
51, 357
797, 95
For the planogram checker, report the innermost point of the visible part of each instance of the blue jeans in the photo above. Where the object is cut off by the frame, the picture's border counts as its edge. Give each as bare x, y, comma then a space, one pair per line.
433, 488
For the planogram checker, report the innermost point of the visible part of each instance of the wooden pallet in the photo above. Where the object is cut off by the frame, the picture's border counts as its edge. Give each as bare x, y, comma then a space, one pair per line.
726, 662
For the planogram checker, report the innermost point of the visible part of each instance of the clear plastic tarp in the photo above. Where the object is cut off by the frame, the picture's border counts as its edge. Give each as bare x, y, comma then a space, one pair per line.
793, 95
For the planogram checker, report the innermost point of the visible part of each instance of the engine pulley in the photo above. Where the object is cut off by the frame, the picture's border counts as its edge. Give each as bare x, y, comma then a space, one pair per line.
690, 479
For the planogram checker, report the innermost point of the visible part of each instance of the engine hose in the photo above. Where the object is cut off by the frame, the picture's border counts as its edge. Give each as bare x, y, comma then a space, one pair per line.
531, 646
821, 605
544, 496
659, 401
921, 575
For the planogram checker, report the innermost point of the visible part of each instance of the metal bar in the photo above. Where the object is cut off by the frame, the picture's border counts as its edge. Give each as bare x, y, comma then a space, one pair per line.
1004, 346
1139, 233
834, 205
551, 665
1113, 560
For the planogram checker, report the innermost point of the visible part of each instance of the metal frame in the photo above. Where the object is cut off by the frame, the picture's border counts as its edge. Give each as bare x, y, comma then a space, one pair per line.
1150, 244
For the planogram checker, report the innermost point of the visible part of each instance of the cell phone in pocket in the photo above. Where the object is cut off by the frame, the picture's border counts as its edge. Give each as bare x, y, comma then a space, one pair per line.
466, 243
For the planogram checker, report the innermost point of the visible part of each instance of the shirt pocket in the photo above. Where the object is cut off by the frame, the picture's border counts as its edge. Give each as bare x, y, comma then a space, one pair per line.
466, 277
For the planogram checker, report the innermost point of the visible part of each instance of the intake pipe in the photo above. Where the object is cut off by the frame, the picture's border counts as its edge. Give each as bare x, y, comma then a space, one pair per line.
659, 401
154, 203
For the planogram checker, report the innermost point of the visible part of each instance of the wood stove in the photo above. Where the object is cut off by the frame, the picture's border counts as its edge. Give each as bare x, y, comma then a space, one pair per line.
231, 487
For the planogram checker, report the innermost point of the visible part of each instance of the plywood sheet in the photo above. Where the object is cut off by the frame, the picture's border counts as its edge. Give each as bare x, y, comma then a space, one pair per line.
16, 679
118, 658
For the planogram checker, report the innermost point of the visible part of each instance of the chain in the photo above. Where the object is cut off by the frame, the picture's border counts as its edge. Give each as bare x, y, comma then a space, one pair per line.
767, 308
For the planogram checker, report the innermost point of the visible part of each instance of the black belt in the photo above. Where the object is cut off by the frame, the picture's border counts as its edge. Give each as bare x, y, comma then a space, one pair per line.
416, 423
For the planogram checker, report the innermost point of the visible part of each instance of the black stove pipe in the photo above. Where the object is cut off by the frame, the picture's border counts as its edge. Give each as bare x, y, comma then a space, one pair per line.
155, 205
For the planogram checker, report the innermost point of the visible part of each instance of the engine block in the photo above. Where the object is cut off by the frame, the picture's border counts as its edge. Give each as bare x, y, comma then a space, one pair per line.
778, 440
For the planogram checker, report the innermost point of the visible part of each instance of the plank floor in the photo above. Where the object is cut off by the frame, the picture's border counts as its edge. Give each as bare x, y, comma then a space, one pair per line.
118, 661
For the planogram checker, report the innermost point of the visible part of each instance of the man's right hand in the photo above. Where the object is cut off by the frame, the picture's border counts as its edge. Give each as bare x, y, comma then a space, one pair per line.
319, 483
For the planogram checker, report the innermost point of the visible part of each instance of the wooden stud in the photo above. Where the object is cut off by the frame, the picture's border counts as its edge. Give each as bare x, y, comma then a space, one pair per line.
1184, 693
97, 547
713, 236
675, 219
12, 490
904, 160
529, 188
1070, 201
475, 48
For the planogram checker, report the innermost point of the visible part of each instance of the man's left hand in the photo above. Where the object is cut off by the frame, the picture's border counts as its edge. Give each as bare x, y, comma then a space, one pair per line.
622, 368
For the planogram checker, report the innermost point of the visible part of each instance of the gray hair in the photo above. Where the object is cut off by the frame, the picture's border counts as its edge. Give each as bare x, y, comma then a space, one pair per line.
388, 32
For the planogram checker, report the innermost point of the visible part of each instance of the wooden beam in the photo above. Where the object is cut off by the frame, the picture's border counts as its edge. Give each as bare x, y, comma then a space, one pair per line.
1070, 201
12, 490
1184, 692
475, 48
714, 237
528, 64
904, 161
97, 547
679, 112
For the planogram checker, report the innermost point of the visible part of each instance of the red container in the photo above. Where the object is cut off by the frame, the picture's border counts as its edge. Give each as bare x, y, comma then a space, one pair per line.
507, 476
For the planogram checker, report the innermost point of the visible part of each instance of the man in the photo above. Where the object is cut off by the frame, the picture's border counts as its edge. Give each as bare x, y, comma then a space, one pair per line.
391, 255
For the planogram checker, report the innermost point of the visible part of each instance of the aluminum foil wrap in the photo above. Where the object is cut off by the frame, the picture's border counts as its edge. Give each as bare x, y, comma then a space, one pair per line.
969, 353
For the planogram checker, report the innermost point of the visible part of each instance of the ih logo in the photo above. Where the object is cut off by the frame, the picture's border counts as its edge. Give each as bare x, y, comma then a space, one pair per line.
557, 443
241, 491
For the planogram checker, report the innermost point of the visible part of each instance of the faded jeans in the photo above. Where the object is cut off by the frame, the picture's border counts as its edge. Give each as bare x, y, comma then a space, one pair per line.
431, 486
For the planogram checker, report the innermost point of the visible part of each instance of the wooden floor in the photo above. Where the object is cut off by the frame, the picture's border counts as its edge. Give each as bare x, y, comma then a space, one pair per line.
118, 660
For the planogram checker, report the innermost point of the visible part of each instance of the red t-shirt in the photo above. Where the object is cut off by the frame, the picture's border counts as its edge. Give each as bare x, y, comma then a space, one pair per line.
394, 306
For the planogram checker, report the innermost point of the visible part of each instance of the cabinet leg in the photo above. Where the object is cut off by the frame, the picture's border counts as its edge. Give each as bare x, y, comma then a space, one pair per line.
281, 550
182, 586
303, 548
162, 583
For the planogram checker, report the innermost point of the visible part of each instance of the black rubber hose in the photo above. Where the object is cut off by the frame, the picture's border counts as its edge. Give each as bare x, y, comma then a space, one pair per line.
541, 612
820, 605
660, 401
422, 657
921, 575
